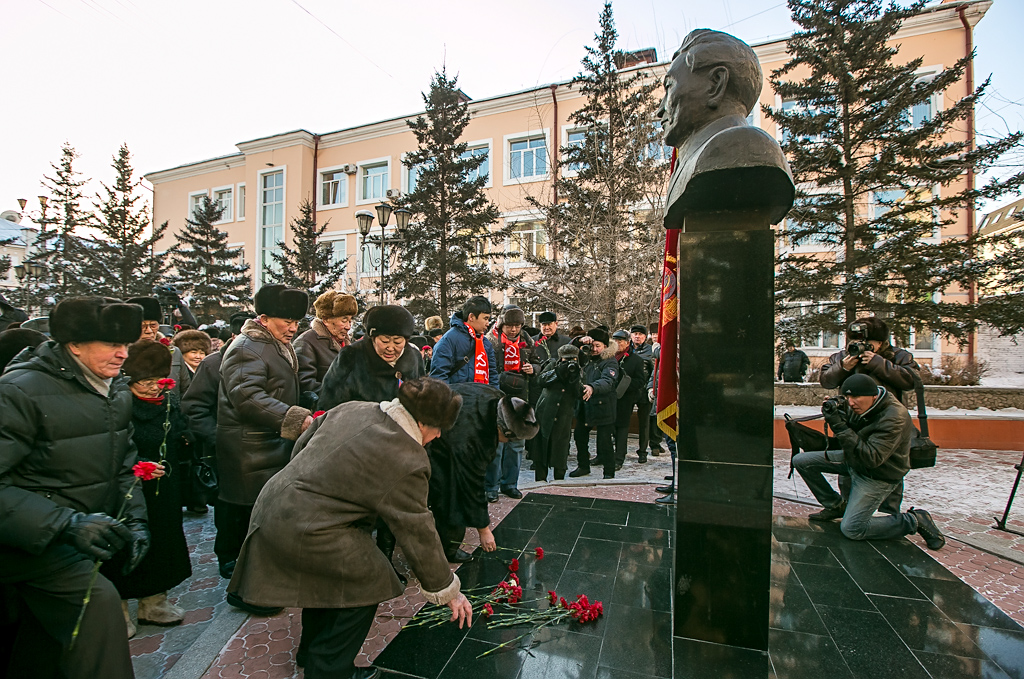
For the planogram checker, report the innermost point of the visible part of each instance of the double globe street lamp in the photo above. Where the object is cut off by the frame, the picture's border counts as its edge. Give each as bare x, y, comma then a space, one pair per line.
365, 220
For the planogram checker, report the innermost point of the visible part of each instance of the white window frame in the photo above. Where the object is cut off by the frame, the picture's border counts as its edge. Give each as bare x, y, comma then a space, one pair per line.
926, 72
240, 244
372, 162
320, 188
229, 214
240, 201
479, 144
192, 195
566, 131
258, 264
506, 170
516, 261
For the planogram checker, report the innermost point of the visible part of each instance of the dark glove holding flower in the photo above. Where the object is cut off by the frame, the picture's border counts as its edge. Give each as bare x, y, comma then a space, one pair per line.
97, 536
139, 539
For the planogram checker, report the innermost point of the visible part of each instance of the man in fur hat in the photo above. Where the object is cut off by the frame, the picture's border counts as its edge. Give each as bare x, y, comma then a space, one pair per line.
597, 408
317, 347
433, 328
57, 403
152, 317
258, 413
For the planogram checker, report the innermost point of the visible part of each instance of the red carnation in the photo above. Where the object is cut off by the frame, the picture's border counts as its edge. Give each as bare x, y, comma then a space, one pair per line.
318, 413
552, 596
488, 610
177, 327
166, 383
539, 552
164, 341
563, 603
144, 470
514, 566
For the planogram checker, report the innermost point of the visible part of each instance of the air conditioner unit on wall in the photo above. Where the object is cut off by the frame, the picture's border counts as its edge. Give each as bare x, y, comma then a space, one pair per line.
349, 169
393, 193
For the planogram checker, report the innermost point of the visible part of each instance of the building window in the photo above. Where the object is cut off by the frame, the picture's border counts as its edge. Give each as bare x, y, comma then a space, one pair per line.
374, 181
485, 167
196, 202
412, 176
241, 202
821, 340
224, 198
574, 140
528, 239
369, 260
334, 188
478, 250
271, 220
793, 106
924, 340
528, 158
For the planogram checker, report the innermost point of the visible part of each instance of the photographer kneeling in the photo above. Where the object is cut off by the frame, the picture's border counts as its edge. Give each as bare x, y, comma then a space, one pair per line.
874, 430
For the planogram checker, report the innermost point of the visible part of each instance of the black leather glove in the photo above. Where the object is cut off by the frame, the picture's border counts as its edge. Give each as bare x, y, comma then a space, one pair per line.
835, 416
309, 400
139, 533
97, 536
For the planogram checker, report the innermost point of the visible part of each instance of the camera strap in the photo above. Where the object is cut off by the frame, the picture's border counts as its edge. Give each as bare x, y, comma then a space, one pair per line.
922, 412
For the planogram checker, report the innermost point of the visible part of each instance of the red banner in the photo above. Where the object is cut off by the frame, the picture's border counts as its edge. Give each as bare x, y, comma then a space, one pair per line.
668, 328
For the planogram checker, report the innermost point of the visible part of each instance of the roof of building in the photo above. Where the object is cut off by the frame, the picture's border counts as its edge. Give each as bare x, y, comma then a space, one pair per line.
1003, 218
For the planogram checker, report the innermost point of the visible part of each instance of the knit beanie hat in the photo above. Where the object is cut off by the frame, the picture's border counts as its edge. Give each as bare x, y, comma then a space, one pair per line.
859, 384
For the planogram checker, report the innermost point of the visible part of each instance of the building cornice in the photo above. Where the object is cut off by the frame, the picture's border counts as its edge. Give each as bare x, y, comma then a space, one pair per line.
193, 169
277, 141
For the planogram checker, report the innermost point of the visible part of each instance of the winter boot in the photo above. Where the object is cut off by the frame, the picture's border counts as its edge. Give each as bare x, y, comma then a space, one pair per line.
157, 610
128, 619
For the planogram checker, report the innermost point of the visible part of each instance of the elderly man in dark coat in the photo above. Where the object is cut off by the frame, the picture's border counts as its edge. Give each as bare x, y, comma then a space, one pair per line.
310, 543
597, 408
459, 459
66, 457
258, 413
560, 388
328, 333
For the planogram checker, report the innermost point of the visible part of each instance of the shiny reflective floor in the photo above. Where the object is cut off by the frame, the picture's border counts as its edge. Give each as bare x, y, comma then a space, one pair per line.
839, 608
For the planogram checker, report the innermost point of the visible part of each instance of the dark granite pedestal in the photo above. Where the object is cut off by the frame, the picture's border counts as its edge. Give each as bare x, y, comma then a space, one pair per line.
839, 609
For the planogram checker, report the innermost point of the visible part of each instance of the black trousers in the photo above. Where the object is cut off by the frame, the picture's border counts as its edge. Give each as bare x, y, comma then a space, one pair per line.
623, 415
451, 536
52, 593
232, 523
331, 639
605, 448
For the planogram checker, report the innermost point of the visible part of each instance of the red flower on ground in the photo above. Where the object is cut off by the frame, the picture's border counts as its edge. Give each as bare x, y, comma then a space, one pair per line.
563, 603
318, 413
539, 552
164, 341
144, 470
488, 610
514, 566
553, 597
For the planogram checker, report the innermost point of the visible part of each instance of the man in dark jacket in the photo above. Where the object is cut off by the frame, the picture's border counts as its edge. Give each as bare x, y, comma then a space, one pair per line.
258, 413
631, 391
328, 333
459, 460
597, 408
793, 365
644, 406
514, 350
560, 387
875, 430
464, 354
66, 457
892, 368
549, 341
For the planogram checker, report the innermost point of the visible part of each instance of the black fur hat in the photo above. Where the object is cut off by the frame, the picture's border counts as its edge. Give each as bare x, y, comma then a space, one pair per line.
150, 308
517, 419
237, 320
95, 319
639, 328
547, 317
874, 328
147, 359
279, 301
568, 351
389, 319
513, 316
599, 335
431, 402
14, 340
513, 384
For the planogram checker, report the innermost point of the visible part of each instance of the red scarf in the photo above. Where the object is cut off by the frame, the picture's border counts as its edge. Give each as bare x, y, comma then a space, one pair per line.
513, 360
480, 369
151, 399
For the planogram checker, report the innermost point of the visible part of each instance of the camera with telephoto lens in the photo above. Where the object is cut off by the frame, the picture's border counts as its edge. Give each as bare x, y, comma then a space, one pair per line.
833, 404
167, 295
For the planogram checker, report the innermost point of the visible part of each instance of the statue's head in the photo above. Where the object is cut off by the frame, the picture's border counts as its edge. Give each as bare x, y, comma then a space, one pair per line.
712, 75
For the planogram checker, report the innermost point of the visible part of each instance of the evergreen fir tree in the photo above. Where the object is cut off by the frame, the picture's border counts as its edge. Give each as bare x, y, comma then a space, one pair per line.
125, 255
444, 259
309, 265
65, 255
878, 175
605, 233
206, 268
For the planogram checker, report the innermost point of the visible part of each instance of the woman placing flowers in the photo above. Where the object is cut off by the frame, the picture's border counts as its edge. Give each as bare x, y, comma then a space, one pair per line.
160, 432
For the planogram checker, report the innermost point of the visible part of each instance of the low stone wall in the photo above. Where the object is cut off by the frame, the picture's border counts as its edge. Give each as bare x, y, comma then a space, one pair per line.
938, 397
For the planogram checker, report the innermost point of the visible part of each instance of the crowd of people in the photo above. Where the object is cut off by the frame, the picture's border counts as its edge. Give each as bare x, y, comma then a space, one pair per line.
323, 450
393, 433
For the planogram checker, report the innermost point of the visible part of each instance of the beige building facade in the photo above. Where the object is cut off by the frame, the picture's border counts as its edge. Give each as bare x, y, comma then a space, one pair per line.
262, 185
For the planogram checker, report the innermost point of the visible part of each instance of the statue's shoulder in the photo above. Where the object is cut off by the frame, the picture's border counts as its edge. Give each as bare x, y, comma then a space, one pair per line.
739, 146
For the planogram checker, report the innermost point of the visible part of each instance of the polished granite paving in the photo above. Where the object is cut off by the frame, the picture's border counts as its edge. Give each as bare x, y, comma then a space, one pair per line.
838, 608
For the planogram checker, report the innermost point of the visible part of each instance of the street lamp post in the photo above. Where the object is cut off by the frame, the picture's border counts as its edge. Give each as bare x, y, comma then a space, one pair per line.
365, 220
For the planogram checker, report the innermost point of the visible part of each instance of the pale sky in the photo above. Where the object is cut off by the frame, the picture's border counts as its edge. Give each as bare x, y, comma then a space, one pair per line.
185, 80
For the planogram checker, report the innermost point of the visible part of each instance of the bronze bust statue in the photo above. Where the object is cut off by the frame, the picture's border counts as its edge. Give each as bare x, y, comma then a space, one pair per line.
728, 174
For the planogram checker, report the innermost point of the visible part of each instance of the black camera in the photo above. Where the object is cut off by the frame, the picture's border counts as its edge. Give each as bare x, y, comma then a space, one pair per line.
833, 404
167, 295
857, 347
